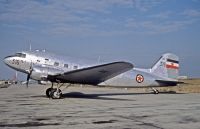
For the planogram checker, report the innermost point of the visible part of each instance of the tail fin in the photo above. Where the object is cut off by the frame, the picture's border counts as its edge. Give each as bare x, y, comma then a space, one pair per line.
167, 66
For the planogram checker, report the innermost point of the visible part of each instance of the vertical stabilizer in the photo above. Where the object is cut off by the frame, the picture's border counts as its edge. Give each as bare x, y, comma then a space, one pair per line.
167, 66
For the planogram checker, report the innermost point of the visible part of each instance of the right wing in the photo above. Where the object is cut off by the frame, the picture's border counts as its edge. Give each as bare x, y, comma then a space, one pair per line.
92, 75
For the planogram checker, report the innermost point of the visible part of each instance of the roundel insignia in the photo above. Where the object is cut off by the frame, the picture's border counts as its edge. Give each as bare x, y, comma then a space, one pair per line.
139, 78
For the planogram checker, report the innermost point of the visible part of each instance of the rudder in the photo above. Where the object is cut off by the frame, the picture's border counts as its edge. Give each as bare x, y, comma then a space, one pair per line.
167, 66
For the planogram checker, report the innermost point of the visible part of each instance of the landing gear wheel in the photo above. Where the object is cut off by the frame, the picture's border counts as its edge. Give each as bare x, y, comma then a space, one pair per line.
56, 94
156, 91
48, 92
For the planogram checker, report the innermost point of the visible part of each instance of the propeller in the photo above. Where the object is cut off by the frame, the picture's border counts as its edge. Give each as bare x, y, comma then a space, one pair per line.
29, 74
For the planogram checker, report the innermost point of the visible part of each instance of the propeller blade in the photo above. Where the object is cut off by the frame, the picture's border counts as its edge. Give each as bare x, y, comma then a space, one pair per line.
27, 80
29, 75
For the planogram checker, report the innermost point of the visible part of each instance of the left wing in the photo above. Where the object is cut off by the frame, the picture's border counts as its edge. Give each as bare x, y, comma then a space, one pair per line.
92, 75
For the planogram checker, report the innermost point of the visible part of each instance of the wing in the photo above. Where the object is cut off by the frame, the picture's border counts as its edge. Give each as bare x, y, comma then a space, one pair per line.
92, 75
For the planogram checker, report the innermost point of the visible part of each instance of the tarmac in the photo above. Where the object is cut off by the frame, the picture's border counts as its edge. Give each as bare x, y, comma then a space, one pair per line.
101, 108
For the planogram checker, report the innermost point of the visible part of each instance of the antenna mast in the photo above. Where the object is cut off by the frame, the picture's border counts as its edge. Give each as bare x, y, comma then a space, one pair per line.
30, 46
99, 59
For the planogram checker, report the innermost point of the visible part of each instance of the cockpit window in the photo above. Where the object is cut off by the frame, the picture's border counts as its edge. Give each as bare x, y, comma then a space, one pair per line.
56, 64
75, 67
20, 55
66, 65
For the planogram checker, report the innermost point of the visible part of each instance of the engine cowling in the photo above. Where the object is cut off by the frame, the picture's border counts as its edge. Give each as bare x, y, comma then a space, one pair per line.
40, 73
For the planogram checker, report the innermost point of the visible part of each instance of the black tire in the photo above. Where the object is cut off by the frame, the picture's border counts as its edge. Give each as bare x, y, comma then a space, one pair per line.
48, 92
156, 92
52, 94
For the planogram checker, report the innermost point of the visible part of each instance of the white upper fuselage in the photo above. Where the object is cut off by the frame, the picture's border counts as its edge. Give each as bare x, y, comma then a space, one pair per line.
22, 61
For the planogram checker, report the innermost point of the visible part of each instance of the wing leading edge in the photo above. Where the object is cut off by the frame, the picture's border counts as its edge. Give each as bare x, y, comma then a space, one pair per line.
92, 75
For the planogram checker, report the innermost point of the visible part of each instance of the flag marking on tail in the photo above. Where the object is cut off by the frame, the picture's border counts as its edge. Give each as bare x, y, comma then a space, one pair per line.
172, 64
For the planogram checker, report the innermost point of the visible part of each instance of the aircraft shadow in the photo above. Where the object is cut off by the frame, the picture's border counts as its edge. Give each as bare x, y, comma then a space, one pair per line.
104, 96
93, 96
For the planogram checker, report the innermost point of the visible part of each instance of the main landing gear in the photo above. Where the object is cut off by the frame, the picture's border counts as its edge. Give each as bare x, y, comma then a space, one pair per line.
54, 93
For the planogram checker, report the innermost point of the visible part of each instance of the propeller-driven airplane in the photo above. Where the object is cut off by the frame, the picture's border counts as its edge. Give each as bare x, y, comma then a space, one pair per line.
44, 66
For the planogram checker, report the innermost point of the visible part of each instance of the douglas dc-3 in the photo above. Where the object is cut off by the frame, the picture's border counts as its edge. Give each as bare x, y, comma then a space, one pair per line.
45, 66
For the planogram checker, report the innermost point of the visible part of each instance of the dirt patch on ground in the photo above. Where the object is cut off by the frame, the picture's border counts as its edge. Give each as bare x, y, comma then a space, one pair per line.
189, 86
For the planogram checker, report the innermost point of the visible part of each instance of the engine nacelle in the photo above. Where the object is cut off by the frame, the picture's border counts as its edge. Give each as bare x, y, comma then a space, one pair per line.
40, 73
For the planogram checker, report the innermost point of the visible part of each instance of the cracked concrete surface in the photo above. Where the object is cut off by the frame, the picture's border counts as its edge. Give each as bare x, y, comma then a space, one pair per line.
91, 107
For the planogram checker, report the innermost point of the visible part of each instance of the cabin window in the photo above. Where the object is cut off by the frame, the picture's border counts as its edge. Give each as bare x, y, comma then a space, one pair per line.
66, 65
46, 59
75, 67
56, 64
20, 55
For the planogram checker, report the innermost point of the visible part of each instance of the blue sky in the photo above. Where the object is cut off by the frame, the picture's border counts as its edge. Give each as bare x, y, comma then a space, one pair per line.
138, 31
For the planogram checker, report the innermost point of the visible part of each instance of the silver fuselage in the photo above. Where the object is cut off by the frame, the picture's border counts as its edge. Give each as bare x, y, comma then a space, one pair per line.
53, 64
57, 64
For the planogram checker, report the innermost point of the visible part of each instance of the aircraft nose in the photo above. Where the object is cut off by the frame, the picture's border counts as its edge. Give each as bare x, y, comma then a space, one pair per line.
7, 60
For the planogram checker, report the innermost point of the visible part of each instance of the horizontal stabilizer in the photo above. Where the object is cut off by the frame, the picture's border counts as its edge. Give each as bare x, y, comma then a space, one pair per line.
168, 82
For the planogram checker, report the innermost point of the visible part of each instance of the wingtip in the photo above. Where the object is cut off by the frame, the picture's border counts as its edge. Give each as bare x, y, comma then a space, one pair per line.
129, 64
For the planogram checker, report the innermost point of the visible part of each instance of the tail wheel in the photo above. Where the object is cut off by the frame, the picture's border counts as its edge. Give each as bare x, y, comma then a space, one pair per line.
156, 91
